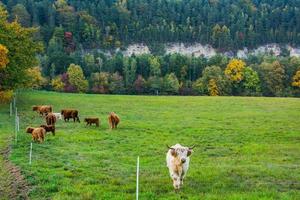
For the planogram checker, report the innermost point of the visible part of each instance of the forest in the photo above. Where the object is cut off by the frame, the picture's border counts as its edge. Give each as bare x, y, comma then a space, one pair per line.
73, 33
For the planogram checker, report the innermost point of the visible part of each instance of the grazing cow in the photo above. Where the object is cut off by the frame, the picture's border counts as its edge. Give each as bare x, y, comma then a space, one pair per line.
90, 121
67, 113
38, 134
58, 116
178, 163
113, 120
49, 128
44, 109
50, 119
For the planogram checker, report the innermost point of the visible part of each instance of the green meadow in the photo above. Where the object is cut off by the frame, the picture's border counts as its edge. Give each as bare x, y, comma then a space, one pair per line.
247, 147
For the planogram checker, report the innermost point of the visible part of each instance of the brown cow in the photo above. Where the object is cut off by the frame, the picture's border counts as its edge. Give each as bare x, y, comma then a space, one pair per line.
113, 120
50, 119
69, 113
44, 109
49, 128
90, 121
38, 134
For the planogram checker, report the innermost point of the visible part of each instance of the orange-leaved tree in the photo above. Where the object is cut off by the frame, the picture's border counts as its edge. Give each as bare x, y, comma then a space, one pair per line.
234, 70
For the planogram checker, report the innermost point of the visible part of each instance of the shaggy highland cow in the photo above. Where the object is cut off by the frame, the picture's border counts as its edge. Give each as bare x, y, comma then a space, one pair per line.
38, 134
44, 109
50, 119
70, 114
49, 128
90, 121
113, 120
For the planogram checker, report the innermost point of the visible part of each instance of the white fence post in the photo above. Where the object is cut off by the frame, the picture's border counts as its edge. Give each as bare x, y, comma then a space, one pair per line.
18, 123
30, 153
137, 177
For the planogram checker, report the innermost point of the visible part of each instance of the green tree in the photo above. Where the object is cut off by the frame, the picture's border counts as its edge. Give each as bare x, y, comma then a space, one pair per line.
76, 78
100, 82
251, 82
171, 84
215, 73
129, 72
20, 49
20, 14
116, 84
273, 78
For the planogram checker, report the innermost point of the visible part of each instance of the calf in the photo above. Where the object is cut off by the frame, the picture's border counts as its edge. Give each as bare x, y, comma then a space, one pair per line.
38, 134
90, 121
49, 128
178, 163
70, 113
113, 120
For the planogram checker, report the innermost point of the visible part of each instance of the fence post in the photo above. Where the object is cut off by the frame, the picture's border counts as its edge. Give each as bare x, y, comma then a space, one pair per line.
16, 125
30, 153
137, 177
10, 109
14, 101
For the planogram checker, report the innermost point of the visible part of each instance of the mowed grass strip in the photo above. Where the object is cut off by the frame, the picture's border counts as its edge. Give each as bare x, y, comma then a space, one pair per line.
247, 148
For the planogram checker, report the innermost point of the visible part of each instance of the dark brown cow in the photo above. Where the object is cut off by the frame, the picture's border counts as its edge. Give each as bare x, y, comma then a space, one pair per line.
90, 121
50, 119
113, 120
69, 113
49, 128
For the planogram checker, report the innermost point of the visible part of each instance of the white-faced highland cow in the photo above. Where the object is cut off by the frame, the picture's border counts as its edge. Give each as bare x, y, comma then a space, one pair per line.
178, 159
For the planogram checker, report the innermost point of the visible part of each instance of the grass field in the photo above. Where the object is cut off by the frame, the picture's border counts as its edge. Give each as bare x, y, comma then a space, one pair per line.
248, 148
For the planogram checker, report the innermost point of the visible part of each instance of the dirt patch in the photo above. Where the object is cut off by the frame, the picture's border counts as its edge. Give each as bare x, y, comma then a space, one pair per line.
17, 187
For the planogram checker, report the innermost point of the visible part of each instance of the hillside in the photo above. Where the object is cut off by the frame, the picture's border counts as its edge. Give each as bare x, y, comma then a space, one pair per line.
224, 24
247, 148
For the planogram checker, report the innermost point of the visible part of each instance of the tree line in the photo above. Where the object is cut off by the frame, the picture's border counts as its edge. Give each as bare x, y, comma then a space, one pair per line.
176, 74
108, 24
64, 67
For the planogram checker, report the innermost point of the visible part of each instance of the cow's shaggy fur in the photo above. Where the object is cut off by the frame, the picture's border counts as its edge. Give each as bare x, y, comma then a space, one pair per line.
49, 128
90, 121
38, 134
43, 109
113, 120
178, 163
70, 113
50, 119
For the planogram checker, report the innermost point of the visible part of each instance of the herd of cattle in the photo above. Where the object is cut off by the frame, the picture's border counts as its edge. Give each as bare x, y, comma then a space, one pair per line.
177, 157
39, 133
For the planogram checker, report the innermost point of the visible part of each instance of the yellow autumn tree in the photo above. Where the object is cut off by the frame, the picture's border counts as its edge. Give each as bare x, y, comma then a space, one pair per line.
57, 84
213, 88
6, 96
296, 79
3, 56
234, 70
35, 78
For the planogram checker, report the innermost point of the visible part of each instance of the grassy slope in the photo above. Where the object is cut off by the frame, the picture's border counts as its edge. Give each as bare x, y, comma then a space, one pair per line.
247, 147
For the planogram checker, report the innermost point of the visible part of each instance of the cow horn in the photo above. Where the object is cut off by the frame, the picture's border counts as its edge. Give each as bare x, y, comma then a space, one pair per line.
192, 147
169, 147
